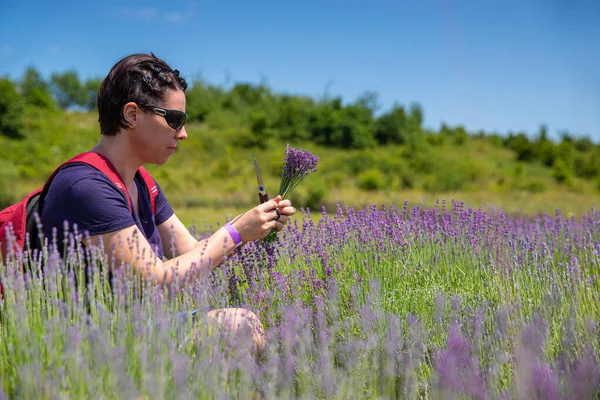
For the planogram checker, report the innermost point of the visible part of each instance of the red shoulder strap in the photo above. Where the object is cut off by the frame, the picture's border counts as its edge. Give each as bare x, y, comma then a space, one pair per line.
150, 186
103, 165
99, 162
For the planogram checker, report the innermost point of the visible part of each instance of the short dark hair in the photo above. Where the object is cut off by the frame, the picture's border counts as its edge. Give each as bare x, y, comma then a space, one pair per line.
141, 78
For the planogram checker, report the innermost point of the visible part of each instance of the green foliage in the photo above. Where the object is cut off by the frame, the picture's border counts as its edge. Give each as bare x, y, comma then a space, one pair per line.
292, 118
244, 95
396, 169
347, 127
361, 161
461, 174
35, 89
565, 151
421, 161
202, 100
519, 171
583, 144
460, 136
561, 172
316, 191
91, 88
435, 140
521, 145
587, 164
416, 115
372, 179
523, 179
259, 123
226, 119
11, 109
68, 90
457, 135
399, 127
392, 126
336, 179
546, 152
260, 131
9, 182
362, 150
536, 186
495, 139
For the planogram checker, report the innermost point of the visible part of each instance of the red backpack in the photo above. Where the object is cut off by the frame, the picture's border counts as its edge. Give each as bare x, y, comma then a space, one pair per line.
20, 217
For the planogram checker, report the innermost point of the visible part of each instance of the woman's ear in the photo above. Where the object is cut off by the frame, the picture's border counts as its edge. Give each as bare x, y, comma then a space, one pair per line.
130, 114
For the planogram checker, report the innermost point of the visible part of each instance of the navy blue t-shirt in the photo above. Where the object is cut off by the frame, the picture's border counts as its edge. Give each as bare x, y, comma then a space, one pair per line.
82, 195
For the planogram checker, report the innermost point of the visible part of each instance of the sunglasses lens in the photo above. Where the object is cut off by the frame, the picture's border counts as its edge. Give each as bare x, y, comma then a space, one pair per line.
177, 119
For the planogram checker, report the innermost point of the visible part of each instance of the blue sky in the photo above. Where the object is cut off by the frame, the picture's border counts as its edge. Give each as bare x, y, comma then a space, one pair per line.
493, 65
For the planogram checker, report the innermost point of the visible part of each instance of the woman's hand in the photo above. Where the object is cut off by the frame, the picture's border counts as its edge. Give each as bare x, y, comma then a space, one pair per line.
256, 223
285, 210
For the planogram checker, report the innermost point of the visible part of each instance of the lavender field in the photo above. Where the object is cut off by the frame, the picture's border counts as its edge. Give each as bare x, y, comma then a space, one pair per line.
382, 302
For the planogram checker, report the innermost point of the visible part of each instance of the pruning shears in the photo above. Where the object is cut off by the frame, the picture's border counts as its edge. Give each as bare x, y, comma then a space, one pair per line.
262, 193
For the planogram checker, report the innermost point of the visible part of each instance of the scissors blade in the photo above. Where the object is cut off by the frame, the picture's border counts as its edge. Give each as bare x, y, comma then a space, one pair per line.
262, 193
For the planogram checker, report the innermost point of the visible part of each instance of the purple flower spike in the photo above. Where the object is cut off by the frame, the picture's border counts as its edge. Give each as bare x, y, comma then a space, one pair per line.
298, 163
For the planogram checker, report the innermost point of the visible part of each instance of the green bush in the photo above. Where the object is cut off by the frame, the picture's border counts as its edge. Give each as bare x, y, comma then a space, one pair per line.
439, 183
396, 167
292, 117
391, 127
11, 110
456, 176
202, 100
68, 89
361, 162
519, 171
560, 172
9, 180
536, 186
260, 126
331, 124
336, 179
435, 139
372, 179
35, 90
315, 195
460, 136
407, 179
421, 161
390, 163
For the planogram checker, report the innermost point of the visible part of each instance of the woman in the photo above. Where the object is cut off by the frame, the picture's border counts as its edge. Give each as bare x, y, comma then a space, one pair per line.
141, 105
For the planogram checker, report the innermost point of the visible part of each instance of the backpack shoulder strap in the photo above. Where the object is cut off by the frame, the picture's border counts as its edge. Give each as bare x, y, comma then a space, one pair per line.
102, 164
150, 186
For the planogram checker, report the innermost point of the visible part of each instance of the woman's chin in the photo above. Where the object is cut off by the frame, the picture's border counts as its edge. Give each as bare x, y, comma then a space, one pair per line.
160, 161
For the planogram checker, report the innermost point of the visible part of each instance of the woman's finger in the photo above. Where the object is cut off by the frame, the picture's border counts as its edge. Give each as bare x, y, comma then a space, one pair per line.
287, 211
268, 206
285, 203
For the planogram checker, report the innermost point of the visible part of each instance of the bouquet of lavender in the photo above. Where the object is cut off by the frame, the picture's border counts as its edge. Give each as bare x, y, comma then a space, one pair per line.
298, 163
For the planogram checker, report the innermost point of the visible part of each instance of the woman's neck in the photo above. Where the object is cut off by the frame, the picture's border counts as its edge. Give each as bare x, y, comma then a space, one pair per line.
116, 149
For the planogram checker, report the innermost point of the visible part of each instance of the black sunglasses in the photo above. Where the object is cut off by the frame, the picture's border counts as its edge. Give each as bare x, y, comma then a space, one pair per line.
175, 118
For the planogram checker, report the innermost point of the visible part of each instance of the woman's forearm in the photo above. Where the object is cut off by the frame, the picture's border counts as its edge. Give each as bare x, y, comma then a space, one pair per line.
206, 255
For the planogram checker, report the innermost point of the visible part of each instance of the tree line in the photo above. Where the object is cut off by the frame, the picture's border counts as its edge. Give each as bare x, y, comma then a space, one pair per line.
327, 121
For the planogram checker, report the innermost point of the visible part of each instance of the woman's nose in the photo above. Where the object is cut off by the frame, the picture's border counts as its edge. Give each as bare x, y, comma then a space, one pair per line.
181, 134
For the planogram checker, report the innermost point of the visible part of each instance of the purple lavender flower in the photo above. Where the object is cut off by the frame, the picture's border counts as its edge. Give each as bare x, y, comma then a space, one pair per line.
298, 163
